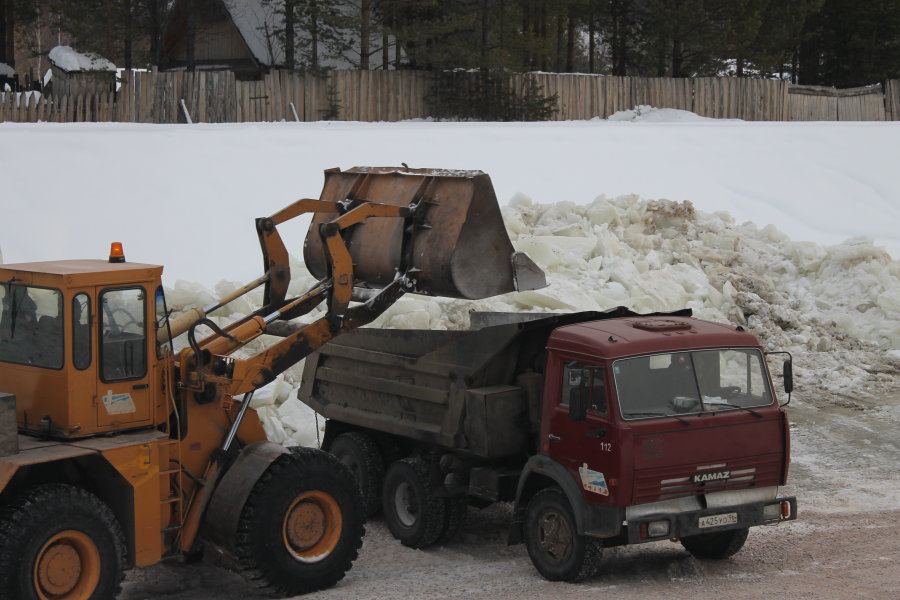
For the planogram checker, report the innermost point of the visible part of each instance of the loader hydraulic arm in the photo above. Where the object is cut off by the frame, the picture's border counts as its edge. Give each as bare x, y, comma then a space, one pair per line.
211, 359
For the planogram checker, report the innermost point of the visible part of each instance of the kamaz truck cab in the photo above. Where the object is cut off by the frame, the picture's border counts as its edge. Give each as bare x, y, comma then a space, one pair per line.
668, 428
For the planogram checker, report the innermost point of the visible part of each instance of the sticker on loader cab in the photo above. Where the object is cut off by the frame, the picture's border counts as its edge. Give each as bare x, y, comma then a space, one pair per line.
118, 404
593, 481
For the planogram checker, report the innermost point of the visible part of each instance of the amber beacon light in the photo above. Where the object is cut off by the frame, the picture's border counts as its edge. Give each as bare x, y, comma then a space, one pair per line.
116, 253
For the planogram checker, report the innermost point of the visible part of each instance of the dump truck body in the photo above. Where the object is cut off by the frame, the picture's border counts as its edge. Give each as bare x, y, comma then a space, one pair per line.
651, 426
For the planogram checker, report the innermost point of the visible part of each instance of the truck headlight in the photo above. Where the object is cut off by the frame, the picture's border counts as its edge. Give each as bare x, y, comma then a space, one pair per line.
658, 528
772, 512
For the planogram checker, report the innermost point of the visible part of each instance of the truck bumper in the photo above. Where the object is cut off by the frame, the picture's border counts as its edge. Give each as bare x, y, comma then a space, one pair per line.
651, 528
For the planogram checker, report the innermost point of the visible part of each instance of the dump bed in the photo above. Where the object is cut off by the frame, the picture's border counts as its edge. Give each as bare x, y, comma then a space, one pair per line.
473, 391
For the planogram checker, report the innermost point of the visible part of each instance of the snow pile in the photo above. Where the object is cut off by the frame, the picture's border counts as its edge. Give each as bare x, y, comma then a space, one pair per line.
6, 70
70, 61
650, 114
837, 308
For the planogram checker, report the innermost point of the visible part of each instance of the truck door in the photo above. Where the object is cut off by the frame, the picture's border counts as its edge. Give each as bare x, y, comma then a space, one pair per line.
587, 448
124, 385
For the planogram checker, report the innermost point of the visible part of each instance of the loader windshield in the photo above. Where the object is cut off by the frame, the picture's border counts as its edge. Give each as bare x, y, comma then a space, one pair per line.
683, 383
31, 327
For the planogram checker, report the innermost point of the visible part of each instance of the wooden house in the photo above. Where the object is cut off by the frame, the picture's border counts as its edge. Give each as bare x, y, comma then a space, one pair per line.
227, 36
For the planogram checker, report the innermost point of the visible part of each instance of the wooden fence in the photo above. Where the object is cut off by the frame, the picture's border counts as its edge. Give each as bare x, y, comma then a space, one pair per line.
815, 103
217, 97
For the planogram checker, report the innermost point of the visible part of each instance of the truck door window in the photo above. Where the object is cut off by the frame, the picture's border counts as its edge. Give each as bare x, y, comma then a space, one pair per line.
123, 333
31, 326
576, 375
81, 331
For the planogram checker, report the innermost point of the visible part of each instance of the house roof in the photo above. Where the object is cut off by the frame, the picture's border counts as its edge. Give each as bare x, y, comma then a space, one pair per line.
70, 61
257, 21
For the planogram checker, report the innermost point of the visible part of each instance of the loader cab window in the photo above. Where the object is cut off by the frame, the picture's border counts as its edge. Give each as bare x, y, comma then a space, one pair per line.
576, 376
81, 331
123, 334
31, 326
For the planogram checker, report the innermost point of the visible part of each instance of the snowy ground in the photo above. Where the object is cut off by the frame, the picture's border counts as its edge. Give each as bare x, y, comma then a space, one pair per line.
788, 229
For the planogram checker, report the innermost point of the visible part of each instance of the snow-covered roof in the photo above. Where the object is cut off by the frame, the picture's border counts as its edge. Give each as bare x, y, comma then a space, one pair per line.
259, 24
257, 21
69, 60
6, 70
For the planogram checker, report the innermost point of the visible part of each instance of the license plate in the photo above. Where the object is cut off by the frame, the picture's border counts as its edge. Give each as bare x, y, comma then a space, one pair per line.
718, 520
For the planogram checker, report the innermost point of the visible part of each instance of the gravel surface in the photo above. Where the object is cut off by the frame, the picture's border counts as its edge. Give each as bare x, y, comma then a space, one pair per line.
845, 544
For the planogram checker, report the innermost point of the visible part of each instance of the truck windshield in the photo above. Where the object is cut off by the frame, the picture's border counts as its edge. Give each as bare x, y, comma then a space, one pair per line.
683, 383
31, 327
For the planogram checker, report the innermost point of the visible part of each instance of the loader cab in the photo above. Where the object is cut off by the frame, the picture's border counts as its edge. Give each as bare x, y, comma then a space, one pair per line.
77, 345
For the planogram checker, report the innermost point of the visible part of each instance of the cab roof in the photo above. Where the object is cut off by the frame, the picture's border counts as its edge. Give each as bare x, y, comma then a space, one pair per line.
72, 273
631, 336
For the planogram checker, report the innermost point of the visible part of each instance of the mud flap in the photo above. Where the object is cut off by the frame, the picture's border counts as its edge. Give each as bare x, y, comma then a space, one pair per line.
230, 496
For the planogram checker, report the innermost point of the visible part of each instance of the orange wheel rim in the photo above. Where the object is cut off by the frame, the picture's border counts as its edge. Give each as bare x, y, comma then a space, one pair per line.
67, 567
312, 526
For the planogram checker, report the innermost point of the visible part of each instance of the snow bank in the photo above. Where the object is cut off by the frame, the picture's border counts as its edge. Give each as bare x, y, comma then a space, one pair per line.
6, 70
69, 60
836, 308
650, 114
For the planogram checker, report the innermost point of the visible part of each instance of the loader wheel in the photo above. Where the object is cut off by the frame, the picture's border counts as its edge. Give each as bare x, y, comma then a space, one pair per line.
59, 542
414, 514
552, 540
716, 546
302, 525
360, 453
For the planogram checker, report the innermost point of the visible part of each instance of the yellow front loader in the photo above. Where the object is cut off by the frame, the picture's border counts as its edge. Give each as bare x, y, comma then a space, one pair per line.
116, 451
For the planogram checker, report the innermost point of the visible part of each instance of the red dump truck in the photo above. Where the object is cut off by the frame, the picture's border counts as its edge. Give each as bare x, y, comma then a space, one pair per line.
603, 428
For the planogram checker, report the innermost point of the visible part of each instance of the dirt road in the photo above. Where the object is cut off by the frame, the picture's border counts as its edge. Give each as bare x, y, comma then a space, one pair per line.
846, 543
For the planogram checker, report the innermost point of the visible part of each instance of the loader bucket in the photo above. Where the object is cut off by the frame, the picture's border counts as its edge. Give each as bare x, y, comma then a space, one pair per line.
454, 245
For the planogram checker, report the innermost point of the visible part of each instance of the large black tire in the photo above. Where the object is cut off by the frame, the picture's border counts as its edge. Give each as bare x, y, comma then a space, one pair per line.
414, 514
454, 518
302, 525
716, 546
362, 456
61, 542
552, 540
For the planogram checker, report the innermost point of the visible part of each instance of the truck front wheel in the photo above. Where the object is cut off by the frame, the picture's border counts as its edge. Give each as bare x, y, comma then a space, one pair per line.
59, 542
414, 514
717, 545
552, 540
302, 525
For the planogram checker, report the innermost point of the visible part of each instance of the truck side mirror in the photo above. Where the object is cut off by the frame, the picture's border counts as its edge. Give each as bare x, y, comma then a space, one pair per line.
577, 405
788, 374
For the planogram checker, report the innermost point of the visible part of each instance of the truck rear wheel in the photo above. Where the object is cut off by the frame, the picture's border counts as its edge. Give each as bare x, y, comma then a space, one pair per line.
302, 525
552, 540
59, 542
360, 453
716, 546
414, 514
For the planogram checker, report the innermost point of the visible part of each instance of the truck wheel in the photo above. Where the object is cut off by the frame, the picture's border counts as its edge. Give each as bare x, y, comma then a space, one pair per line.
360, 453
552, 540
414, 514
61, 542
302, 525
454, 518
717, 545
